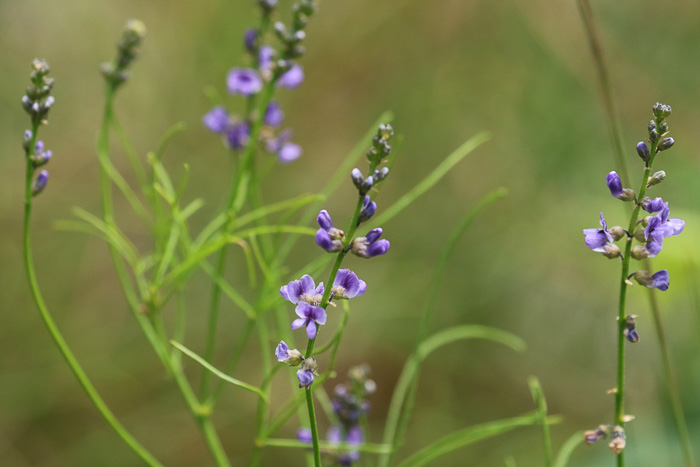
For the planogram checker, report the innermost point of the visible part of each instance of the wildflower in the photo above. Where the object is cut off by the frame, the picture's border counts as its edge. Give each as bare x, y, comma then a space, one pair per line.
250, 39
370, 245
328, 237
666, 143
304, 435
655, 205
368, 210
237, 135
40, 157
273, 114
40, 182
660, 227
307, 372
216, 120
310, 316
643, 151
289, 152
292, 78
658, 280
347, 285
353, 435
284, 354
303, 290
657, 178
596, 239
593, 436
615, 185
244, 81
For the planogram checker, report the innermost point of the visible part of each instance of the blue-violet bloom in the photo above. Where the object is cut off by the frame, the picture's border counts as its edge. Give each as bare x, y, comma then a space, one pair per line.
244, 81
284, 354
303, 290
658, 280
40, 183
304, 435
596, 239
328, 237
305, 374
292, 79
273, 114
347, 285
310, 316
216, 120
237, 135
370, 245
368, 209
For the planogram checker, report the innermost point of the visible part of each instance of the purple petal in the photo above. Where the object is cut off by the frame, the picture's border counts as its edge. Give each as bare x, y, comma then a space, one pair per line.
349, 281
373, 235
311, 330
292, 79
216, 120
307, 284
273, 114
297, 323
304, 435
654, 248
289, 153
306, 378
676, 225
595, 239
615, 184
265, 56
334, 435
318, 314
355, 435
294, 291
661, 280
238, 135
304, 310
244, 81
324, 220
655, 205
377, 248
363, 288
320, 289
324, 240
282, 351
284, 293
250, 37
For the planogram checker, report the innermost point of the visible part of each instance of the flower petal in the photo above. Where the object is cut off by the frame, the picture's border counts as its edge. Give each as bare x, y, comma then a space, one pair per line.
297, 323
311, 330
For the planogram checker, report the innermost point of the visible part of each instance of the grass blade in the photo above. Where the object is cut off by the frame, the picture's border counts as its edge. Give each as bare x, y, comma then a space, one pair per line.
568, 448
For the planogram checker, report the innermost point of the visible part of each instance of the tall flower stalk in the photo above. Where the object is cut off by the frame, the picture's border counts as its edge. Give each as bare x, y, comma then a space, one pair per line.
649, 234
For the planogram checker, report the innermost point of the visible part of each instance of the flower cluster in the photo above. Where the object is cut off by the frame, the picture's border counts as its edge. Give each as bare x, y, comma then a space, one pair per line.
117, 73
350, 403
37, 102
650, 231
617, 437
270, 68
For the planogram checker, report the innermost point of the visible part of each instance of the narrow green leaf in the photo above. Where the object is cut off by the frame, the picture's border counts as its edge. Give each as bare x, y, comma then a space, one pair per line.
568, 448
434, 177
538, 397
215, 371
465, 437
469, 331
114, 236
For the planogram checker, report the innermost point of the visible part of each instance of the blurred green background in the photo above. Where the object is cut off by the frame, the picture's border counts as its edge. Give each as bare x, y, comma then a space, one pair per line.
448, 69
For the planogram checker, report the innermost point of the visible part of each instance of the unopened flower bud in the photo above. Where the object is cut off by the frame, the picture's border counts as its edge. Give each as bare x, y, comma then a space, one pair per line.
617, 232
657, 178
663, 127
643, 151
40, 182
26, 141
658, 280
651, 126
653, 136
639, 252
639, 235
666, 143
611, 251
627, 194
367, 185
661, 110
385, 131
357, 178
250, 39
291, 357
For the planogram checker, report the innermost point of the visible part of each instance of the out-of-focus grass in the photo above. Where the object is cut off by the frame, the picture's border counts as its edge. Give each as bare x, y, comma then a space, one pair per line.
447, 69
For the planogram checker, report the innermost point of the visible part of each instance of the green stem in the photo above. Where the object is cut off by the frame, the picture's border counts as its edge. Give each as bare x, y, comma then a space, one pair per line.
314, 428
55, 333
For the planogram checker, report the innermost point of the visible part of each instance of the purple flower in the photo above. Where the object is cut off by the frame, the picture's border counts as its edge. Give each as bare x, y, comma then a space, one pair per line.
292, 79
274, 145
328, 237
289, 152
304, 435
216, 120
310, 316
655, 205
244, 81
658, 280
237, 135
368, 209
660, 227
370, 245
250, 39
596, 239
354, 435
284, 354
273, 114
40, 183
615, 184
347, 285
40, 157
643, 151
305, 377
303, 290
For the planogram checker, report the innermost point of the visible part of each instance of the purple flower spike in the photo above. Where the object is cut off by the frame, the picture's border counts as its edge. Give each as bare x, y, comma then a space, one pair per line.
273, 114
303, 290
289, 153
244, 81
304, 435
238, 135
596, 239
292, 79
347, 285
40, 183
306, 378
216, 120
615, 184
309, 316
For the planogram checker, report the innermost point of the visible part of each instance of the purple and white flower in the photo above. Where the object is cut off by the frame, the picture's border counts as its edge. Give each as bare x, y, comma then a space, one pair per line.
311, 317
244, 81
370, 245
347, 285
596, 239
615, 185
328, 237
303, 290
660, 227
284, 354
292, 78
307, 372
658, 280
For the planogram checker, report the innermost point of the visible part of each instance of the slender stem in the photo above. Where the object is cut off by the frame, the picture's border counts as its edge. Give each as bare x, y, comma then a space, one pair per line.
314, 427
60, 342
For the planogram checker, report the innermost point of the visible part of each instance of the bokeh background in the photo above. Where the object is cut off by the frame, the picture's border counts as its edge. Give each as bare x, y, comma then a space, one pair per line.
448, 69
